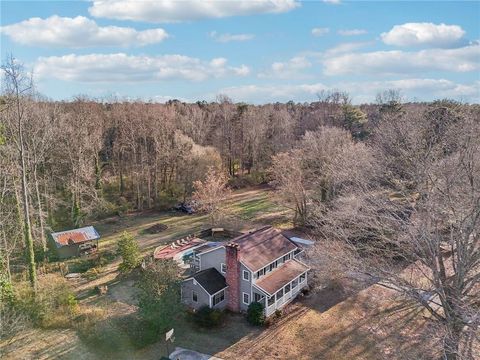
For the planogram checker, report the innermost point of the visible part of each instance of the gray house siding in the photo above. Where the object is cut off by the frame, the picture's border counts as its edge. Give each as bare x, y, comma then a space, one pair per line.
203, 298
213, 259
245, 287
187, 295
67, 251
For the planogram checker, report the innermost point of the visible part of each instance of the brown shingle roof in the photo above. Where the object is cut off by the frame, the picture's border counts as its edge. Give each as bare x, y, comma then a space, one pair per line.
261, 247
280, 277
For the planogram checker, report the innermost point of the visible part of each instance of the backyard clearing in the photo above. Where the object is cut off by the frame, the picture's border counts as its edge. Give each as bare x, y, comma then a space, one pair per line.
344, 323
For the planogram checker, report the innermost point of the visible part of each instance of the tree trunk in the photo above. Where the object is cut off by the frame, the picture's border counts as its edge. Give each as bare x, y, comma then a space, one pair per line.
120, 171
19, 211
452, 343
40, 210
98, 174
27, 228
7, 255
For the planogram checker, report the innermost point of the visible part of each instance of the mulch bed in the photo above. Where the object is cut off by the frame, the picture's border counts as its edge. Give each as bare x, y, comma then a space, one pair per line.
157, 228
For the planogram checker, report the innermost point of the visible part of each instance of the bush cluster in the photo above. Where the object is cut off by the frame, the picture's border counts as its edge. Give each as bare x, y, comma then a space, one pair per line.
252, 179
53, 306
255, 313
118, 336
208, 318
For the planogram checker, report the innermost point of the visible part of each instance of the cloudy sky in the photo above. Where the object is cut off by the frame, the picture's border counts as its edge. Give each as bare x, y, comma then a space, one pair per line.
254, 51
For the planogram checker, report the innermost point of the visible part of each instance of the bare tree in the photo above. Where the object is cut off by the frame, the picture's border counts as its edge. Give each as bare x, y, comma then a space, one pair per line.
290, 179
424, 217
211, 193
16, 91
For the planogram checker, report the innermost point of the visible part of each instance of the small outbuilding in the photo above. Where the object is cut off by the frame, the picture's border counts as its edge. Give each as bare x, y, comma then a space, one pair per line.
75, 242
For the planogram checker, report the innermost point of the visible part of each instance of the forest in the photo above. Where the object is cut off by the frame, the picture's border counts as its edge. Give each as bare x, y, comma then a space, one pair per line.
380, 186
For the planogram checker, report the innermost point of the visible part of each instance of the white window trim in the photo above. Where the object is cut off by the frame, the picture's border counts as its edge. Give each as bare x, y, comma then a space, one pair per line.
194, 292
266, 267
243, 275
213, 296
243, 298
221, 268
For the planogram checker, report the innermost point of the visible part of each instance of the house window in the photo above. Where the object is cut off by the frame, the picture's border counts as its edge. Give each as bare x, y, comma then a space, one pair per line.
257, 297
246, 275
271, 300
302, 277
286, 257
218, 298
287, 288
294, 283
271, 267
246, 298
223, 268
279, 294
194, 296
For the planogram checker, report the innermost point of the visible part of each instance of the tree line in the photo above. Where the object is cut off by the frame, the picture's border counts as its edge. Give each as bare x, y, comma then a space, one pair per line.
401, 207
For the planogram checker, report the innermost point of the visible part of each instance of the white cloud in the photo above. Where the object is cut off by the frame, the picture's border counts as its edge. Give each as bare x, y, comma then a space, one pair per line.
288, 69
352, 32
166, 11
320, 31
334, 2
343, 48
78, 32
241, 70
400, 62
416, 88
424, 34
129, 68
224, 38
361, 92
166, 98
273, 93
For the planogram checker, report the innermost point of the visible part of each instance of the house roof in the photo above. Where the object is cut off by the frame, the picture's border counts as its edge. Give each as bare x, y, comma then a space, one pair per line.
207, 247
211, 280
278, 278
261, 247
76, 236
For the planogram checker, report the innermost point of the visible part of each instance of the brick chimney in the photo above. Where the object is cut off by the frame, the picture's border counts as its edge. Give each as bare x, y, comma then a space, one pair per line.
233, 277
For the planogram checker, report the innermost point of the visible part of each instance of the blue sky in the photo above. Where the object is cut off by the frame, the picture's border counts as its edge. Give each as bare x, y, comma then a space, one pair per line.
253, 51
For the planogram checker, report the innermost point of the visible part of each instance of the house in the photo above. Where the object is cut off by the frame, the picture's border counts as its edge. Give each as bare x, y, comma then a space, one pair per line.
74, 242
261, 266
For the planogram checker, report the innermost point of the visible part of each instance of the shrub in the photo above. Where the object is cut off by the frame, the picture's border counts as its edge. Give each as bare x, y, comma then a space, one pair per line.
208, 318
81, 265
129, 251
117, 336
255, 313
54, 304
105, 337
91, 274
12, 321
278, 313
